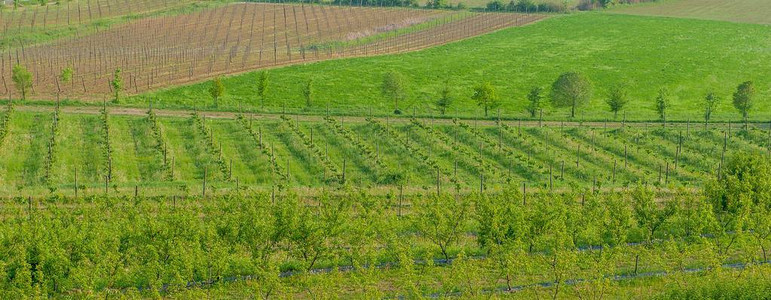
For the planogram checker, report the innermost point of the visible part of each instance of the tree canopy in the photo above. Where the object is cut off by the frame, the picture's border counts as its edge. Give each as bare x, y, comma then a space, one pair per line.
571, 90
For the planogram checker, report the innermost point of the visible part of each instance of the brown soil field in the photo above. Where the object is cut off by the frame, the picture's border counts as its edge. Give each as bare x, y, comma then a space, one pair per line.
162, 51
76, 12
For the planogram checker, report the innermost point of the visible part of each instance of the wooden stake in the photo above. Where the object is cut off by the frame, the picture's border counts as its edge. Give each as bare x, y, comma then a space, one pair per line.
524, 194
203, 192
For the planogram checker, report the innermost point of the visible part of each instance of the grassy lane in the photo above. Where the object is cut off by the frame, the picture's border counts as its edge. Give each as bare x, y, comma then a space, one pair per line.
149, 160
24, 150
80, 150
249, 165
126, 155
189, 152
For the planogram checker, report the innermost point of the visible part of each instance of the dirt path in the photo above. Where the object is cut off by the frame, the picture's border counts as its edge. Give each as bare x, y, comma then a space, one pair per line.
133, 111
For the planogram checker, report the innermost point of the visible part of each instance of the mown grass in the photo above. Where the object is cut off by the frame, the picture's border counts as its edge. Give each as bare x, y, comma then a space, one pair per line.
745, 11
688, 57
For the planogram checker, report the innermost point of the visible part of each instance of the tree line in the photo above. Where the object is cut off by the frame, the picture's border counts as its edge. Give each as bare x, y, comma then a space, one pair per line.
570, 90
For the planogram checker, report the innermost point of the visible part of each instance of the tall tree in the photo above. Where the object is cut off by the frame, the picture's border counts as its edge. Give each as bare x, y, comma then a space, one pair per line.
486, 96
617, 99
117, 84
262, 86
23, 80
445, 99
710, 103
394, 89
662, 104
571, 90
536, 101
743, 99
216, 90
308, 93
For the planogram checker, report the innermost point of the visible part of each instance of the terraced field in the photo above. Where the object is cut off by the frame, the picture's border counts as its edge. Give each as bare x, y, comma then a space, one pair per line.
162, 154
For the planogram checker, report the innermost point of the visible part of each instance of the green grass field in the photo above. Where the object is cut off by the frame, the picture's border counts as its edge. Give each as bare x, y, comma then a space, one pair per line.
743, 11
689, 57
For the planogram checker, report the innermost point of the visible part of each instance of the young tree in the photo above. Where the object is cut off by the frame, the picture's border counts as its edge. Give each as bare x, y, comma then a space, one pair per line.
740, 191
393, 88
743, 99
445, 99
216, 90
117, 84
571, 90
617, 99
308, 93
262, 86
536, 101
66, 75
440, 220
486, 97
662, 104
710, 103
23, 80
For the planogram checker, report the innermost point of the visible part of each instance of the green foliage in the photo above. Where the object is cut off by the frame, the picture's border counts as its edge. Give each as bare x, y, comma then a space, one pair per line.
744, 184
711, 101
441, 220
536, 101
445, 98
66, 75
486, 96
394, 88
216, 90
662, 104
618, 97
719, 285
571, 90
117, 84
23, 80
262, 86
743, 98
308, 93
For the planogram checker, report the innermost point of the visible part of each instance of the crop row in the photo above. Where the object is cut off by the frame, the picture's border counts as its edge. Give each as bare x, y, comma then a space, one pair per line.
321, 156
160, 145
51, 154
107, 150
371, 155
4, 121
462, 154
211, 145
277, 170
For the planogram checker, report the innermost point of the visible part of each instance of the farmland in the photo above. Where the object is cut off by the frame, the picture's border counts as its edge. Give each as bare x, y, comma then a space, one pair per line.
184, 152
745, 11
334, 149
235, 38
691, 58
